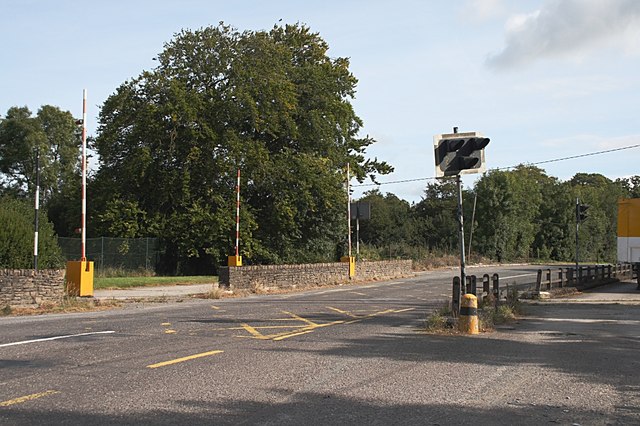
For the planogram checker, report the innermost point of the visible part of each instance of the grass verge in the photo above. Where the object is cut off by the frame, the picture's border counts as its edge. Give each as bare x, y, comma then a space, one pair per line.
127, 282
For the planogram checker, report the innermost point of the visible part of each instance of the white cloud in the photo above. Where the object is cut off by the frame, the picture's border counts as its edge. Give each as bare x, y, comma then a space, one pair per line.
573, 87
569, 28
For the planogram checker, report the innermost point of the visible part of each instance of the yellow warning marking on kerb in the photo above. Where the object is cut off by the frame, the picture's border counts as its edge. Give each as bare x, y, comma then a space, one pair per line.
183, 359
27, 398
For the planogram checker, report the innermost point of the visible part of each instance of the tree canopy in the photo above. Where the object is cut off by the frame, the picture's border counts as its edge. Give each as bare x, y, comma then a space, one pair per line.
271, 103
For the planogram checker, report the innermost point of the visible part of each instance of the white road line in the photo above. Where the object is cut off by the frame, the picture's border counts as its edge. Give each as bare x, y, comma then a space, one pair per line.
24, 342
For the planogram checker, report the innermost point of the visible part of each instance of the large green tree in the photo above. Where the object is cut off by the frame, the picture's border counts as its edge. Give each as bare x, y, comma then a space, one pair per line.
271, 103
54, 135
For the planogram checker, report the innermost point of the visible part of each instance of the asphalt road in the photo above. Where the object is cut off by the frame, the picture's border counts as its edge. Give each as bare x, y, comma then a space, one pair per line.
337, 355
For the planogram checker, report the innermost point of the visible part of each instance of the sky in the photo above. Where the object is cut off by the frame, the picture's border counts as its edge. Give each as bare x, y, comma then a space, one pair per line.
543, 79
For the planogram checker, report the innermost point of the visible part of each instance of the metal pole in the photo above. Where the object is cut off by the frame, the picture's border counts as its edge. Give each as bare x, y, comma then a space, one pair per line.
473, 221
349, 208
578, 274
461, 231
238, 215
84, 176
37, 208
358, 235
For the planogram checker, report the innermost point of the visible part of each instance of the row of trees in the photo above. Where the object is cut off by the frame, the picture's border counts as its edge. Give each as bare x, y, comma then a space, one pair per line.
519, 214
275, 105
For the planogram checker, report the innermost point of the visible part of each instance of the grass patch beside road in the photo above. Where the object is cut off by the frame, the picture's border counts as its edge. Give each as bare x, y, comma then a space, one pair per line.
127, 282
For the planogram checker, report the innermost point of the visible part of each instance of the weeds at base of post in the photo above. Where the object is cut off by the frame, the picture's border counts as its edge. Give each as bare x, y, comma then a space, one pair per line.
441, 321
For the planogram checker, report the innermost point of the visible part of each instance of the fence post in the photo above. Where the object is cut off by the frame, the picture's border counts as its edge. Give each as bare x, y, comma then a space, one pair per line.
539, 281
455, 300
474, 285
486, 285
560, 278
548, 279
496, 288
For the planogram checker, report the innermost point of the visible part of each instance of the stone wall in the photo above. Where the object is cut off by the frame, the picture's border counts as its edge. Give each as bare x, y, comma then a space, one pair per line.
383, 270
308, 275
27, 287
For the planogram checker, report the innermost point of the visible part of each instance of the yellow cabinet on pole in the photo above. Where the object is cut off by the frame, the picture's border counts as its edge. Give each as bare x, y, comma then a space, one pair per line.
352, 264
80, 278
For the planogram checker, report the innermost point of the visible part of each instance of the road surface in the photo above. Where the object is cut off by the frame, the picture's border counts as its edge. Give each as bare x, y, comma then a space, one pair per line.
336, 355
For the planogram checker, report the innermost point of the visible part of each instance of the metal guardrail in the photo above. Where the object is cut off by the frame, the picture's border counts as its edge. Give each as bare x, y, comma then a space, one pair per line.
546, 279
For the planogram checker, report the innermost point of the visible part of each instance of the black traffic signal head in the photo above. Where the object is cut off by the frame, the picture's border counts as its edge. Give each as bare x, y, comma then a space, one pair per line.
459, 153
581, 212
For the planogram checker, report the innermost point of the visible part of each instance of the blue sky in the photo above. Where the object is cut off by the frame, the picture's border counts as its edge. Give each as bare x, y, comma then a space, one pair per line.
543, 79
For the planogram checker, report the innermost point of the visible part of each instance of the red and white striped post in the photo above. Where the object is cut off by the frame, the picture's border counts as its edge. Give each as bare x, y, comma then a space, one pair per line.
237, 259
83, 225
80, 273
238, 214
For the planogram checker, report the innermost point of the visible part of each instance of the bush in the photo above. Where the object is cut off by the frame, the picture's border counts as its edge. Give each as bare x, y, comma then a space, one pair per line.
16, 237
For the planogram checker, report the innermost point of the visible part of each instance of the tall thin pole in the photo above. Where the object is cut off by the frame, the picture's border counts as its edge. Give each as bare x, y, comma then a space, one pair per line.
577, 245
238, 215
473, 221
37, 208
461, 233
84, 176
349, 208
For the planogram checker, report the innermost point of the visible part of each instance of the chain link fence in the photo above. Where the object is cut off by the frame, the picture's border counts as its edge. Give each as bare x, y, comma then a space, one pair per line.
116, 254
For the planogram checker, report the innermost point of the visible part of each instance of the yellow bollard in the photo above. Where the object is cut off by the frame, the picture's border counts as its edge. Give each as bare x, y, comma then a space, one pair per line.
468, 320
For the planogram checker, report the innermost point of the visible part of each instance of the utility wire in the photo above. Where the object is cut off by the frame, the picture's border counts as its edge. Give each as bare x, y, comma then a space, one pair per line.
555, 160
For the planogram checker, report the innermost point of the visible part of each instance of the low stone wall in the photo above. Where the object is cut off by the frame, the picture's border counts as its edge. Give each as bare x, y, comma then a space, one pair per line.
308, 275
383, 270
27, 287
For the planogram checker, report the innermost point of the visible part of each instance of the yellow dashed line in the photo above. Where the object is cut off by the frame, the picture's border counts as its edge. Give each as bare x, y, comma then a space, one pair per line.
169, 332
186, 358
27, 398
166, 323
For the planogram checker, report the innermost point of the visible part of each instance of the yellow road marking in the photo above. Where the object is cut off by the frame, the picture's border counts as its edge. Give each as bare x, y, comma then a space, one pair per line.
253, 331
340, 311
266, 327
404, 310
215, 307
310, 327
27, 398
183, 359
300, 318
358, 293
286, 336
166, 323
169, 332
